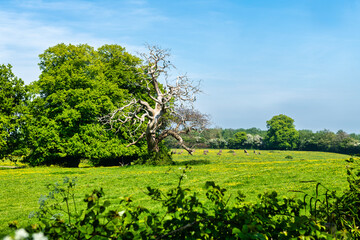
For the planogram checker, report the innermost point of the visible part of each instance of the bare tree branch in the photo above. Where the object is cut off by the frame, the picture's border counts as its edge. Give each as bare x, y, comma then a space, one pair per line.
170, 113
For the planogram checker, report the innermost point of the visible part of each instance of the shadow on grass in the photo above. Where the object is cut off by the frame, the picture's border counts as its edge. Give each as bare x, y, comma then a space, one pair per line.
69, 172
11, 167
193, 162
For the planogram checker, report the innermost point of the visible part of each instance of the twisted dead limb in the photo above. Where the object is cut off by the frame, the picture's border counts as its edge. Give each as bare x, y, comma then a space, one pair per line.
170, 111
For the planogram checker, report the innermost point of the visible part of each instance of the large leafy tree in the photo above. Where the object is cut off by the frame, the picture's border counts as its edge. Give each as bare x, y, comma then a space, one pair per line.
77, 85
12, 107
281, 133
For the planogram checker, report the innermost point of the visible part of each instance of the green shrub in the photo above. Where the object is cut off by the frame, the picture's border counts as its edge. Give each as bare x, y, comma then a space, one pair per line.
289, 157
163, 157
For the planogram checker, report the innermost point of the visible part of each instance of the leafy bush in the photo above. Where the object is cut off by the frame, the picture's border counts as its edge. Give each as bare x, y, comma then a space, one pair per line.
345, 212
289, 157
163, 157
13, 99
184, 216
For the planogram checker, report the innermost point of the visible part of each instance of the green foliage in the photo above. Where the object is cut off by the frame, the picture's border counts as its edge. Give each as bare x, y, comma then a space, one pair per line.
184, 216
345, 212
77, 86
163, 157
60, 217
12, 109
238, 141
281, 133
328, 141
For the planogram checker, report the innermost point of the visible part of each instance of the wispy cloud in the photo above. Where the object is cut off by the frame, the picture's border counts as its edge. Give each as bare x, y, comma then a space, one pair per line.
23, 39
28, 27
55, 5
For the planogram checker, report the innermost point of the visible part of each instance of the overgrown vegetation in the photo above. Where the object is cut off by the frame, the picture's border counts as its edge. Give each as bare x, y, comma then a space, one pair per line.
184, 216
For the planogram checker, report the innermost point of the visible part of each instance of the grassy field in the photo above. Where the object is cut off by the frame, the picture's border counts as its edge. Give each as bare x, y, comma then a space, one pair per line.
252, 174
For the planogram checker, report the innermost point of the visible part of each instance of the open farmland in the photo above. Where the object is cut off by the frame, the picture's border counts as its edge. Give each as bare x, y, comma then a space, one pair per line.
282, 171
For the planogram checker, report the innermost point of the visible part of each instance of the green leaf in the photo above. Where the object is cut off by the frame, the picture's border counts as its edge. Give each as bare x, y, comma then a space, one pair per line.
236, 231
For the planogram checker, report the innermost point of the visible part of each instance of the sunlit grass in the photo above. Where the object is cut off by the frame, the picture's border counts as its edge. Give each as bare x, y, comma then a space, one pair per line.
251, 174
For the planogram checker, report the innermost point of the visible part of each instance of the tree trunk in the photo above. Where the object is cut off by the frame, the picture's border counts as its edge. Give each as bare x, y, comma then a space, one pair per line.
152, 142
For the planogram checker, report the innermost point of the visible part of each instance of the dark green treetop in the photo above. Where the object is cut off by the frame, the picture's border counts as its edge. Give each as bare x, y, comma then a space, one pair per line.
237, 141
12, 107
281, 133
77, 85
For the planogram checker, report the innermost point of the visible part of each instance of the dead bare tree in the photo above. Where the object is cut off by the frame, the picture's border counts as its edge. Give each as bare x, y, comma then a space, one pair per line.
169, 112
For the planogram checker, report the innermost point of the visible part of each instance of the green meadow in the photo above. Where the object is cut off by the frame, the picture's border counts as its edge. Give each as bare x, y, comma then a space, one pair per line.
290, 173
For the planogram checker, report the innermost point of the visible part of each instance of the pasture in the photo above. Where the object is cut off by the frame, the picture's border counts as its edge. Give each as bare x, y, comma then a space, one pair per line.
286, 172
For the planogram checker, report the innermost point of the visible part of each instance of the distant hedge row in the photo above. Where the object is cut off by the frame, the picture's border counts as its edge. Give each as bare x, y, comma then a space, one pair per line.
324, 141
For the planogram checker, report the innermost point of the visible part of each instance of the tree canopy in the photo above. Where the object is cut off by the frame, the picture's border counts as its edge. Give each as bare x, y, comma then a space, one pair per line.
238, 140
12, 107
77, 85
281, 133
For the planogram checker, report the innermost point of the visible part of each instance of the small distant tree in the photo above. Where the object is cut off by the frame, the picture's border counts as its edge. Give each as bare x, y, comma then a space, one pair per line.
217, 143
346, 144
167, 112
237, 141
325, 140
281, 133
249, 141
258, 142
306, 140
253, 141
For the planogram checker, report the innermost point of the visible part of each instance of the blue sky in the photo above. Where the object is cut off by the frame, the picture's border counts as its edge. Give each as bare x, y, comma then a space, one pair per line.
255, 58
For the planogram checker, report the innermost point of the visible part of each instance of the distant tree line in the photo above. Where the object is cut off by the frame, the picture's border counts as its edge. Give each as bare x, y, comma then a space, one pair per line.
279, 136
327, 141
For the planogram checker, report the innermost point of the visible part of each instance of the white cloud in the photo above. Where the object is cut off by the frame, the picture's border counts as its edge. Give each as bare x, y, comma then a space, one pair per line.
24, 38
26, 32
